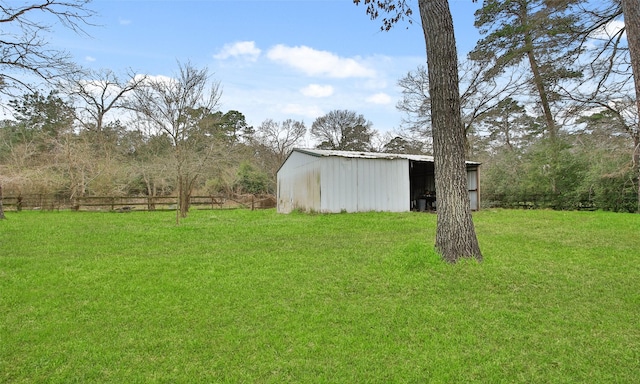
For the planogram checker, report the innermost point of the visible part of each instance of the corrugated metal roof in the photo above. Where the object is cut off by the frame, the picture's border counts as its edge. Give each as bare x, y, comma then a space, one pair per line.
368, 155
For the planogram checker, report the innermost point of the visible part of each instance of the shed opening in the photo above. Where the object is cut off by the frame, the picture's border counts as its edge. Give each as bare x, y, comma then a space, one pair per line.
422, 186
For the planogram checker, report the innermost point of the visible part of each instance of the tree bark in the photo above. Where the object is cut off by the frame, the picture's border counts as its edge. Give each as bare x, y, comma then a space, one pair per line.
544, 101
455, 234
631, 11
537, 76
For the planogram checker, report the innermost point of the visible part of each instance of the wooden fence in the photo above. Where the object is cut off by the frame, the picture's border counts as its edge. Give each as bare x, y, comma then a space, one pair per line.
130, 203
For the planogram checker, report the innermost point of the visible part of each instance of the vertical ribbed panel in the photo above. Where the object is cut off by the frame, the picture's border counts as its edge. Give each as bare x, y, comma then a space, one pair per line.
361, 185
299, 183
321, 183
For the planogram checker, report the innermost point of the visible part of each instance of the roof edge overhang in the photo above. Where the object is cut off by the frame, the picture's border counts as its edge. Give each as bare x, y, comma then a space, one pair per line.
365, 155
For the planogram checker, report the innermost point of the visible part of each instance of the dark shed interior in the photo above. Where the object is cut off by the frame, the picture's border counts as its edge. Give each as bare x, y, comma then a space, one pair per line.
422, 185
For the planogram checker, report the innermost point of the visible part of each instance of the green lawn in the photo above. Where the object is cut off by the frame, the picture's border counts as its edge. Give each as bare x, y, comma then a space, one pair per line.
258, 297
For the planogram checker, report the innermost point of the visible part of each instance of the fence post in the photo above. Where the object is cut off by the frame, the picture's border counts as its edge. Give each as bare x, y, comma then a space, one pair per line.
1, 206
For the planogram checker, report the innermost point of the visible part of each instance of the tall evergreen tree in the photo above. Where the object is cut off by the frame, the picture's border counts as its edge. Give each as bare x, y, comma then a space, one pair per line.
540, 32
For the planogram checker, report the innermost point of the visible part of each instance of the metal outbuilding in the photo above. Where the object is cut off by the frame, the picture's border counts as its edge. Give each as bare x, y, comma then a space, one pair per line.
343, 181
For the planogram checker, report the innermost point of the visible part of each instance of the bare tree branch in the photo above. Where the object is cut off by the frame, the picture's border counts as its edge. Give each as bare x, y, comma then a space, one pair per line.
24, 48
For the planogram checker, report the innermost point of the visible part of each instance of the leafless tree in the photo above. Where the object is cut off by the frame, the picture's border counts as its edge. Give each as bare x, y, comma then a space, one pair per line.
480, 93
278, 140
178, 107
24, 48
613, 89
101, 92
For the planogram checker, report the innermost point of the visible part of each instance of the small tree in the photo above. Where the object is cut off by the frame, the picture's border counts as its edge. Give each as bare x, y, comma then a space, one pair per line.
231, 127
43, 119
274, 141
507, 124
399, 144
177, 108
251, 180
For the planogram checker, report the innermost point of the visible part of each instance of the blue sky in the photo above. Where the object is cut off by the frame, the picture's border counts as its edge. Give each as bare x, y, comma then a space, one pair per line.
275, 59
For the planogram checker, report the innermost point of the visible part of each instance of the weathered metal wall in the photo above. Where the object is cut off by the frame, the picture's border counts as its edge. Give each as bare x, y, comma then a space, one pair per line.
333, 181
362, 185
299, 183
337, 184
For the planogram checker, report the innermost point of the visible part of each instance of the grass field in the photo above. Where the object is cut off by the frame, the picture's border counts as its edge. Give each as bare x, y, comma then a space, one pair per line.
256, 297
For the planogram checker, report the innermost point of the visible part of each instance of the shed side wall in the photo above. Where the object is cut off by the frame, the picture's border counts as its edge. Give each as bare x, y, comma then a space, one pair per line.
299, 183
361, 185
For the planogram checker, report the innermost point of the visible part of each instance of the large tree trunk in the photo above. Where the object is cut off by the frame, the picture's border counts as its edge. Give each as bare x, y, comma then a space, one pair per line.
455, 234
631, 11
636, 161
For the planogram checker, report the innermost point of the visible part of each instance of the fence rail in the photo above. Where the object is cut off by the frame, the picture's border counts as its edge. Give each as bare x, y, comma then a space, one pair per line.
130, 203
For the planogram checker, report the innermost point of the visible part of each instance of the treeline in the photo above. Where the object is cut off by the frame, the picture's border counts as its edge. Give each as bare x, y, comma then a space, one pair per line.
44, 152
171, 140
548, 102
49, 149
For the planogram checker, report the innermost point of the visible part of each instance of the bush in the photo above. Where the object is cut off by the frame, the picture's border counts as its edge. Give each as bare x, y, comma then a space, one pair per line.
617, 192
252, 180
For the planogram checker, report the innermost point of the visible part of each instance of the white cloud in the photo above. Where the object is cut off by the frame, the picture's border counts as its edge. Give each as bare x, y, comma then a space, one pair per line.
157, 79
122, 21
316, 90
379, 98
110, 89
243, 49
90, 59
608, 30
375, 84
310, 111
319, 63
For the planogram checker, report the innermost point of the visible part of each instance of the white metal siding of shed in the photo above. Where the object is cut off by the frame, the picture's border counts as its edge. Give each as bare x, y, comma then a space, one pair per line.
337, 181
299, 183
361, 185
